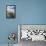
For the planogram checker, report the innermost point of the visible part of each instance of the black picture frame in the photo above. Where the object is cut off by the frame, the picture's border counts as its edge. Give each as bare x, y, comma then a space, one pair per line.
10, 11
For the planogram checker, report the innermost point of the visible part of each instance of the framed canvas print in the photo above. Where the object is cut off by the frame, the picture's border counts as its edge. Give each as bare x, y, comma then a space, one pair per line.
10, 11
32, 32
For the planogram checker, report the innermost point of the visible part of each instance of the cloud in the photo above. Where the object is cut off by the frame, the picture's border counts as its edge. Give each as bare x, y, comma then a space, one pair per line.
10, 9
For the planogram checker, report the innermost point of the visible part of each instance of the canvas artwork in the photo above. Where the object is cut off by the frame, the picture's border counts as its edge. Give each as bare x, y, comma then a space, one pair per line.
10, 11
32, 32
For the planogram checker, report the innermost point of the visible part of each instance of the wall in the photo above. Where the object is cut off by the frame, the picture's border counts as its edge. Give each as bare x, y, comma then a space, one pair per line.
6, 25
31, 11
27, 12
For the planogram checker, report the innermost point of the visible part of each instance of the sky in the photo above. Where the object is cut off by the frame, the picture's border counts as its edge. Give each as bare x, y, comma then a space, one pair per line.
10, 9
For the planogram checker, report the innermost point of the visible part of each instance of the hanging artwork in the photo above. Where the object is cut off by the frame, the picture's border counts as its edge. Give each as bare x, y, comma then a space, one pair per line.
12, 38
10, 11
